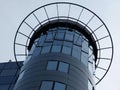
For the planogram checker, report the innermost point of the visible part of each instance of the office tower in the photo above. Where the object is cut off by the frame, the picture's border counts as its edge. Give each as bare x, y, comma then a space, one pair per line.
67, 47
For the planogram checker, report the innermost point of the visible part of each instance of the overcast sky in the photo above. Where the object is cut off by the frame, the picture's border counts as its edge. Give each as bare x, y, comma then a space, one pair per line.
12, 12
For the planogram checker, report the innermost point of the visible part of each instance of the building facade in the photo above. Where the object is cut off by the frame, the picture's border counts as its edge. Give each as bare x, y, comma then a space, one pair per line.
61, 51
9, 73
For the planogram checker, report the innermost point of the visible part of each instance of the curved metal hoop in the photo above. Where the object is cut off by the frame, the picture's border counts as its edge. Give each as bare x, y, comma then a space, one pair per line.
76, 13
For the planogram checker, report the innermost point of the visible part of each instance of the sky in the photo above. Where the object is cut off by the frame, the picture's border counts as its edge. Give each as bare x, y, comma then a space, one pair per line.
12, 12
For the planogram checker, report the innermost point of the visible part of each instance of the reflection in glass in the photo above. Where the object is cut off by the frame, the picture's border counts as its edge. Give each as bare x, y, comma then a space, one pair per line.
52, 65
45, 49
46, 85
63, 67
66, 50
59, 86
56, 48
84, 58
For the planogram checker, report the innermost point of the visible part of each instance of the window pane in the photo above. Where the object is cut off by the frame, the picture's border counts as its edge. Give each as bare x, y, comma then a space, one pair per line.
9, 72
57, 42
59, 86
76, 54
85, 46
4, 87
52, 65
46, 85
36, 51
45, 49
50, 36
59, 35
84, 58
77, 39
76, 51
68, 44
66, 50
63, 67
69, 37
56, 48
41, 40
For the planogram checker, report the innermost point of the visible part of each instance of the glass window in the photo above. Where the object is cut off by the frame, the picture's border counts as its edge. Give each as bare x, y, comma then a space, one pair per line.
76, 51
6, 79
63, 67
36, 51
9, 72
59, 86
59, 35
84, 58
4, 87
69, 36
68, 44
46, 85
56, 48
41, 40
1, 65
45, 49
47, 44
57, 42
77, 39
76, 54
52, 65
85, 46
66, 50
50, 36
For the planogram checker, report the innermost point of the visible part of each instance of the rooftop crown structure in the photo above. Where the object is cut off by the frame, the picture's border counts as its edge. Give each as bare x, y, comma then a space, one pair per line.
65, 47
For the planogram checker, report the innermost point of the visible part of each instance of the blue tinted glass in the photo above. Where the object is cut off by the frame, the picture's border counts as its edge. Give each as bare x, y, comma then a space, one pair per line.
46, 85
63, 67
36, 51
6, 79
76, 51
77, 39
77, 48
4, 87
69, 37
41, 40
59, 35
59, 86
56, 48
56, 42
84, 58
66, 50
11, 65
8, 72
52, 65
1, 65
76, 54
85, 46
50, 36
68, 44
45, 49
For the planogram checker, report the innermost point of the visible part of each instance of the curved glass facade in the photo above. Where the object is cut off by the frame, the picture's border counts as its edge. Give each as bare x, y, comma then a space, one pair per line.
66, 41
